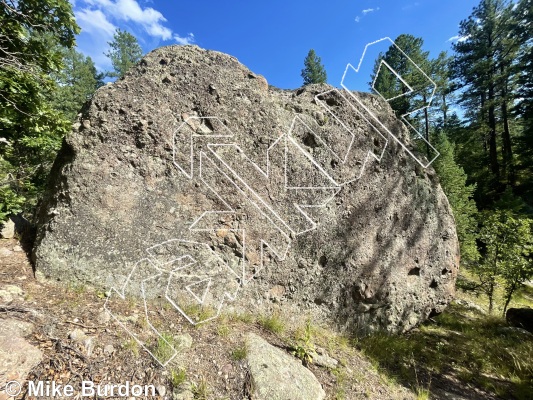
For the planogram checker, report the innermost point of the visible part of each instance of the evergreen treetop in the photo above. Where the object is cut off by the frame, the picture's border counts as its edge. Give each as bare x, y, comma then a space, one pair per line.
313, 71
124, 52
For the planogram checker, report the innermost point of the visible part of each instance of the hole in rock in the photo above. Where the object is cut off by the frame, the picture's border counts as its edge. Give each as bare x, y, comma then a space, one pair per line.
310, 141
433, 313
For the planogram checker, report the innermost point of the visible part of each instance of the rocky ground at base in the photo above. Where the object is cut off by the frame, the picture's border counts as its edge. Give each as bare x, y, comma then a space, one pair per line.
76, 340
63, 334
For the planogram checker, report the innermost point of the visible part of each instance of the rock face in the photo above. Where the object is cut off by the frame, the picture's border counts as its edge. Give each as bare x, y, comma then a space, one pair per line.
275, 375
193, 175
520, 318
17, 356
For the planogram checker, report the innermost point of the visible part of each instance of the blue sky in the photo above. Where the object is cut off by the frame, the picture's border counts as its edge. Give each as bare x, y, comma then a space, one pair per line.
272, 37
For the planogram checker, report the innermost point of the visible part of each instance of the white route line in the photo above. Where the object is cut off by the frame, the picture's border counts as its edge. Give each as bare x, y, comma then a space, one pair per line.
406, 122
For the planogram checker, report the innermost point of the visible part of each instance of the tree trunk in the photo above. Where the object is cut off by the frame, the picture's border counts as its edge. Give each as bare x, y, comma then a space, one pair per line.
506, 137
493, 147
444, 110
485, 148
426, 129
508, 296
491, 298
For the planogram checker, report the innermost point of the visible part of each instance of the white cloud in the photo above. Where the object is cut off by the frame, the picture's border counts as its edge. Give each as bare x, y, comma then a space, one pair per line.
189, 39
94, 21
99, 20
130, 11
97, 31
365, 13
148, 18
369, 10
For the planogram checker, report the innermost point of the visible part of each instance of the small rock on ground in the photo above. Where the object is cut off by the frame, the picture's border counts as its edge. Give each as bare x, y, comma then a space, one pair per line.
8, 229
9, 292
322, 358
276, 375
17, 356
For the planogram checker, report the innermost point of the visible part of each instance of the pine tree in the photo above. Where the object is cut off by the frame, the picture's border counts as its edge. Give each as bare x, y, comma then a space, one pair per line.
453, 181
77, 82
404, 82
483, 72
444, 97
524, 96
124, 53
314, 71
394, 89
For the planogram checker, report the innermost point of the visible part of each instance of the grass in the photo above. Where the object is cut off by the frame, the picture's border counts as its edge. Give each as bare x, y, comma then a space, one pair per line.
523, 297
304, 347
223, 330
473, 347
422, 394
198, 313
245, 317
177, 377
132, 345
342, 381
200, 389
273, 323
239, 353
468, 283
165, 347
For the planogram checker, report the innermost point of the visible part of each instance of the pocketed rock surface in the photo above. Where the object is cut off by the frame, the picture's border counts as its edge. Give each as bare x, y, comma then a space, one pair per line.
192, 175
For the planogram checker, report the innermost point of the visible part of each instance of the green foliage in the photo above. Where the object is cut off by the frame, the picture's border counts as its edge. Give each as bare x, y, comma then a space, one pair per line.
484, 70
32, 33
223, 330
239, 353
508, 245
165, 347
125, 52
523, 30
200, 389
272, 323
132, 345
460, 195
388, 84
304, 347
177, 377
314, 71
470, 346
22, 27
77, 82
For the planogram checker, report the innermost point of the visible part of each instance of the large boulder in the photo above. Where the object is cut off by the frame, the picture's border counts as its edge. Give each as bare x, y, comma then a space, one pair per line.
520, 318
192, 178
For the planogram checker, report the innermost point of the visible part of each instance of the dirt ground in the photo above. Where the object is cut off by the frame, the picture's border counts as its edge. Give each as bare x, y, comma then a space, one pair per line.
80, 342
